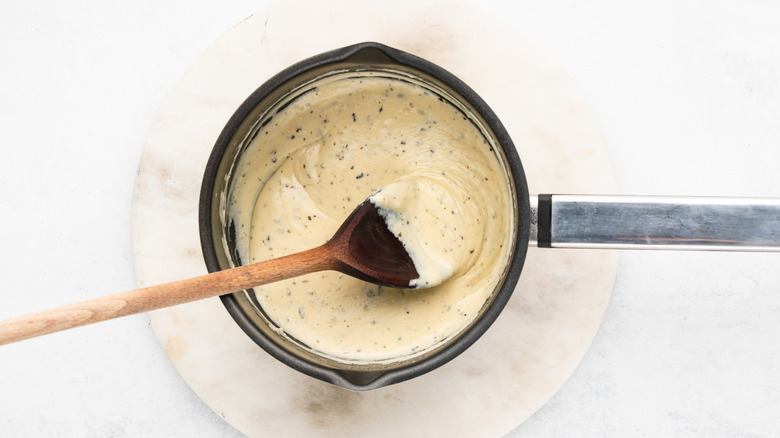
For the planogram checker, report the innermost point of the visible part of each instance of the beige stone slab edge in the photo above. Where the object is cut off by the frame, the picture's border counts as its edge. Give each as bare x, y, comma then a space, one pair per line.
535, 344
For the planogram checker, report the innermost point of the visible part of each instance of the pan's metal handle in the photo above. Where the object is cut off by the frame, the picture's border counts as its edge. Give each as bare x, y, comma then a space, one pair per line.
655, 222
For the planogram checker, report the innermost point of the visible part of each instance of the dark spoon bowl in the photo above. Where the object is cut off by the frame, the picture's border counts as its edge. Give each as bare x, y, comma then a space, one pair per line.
217, 233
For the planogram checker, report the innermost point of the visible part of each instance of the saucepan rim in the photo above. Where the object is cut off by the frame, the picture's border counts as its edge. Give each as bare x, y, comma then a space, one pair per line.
357, 379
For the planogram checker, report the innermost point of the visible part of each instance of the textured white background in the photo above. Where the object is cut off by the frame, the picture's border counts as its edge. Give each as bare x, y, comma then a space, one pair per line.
687, 94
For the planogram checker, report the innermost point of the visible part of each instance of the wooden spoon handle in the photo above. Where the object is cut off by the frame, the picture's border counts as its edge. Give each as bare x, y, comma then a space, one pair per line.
164, 295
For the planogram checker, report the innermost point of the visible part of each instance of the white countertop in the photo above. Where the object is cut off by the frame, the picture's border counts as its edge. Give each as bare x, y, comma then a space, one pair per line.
687, 95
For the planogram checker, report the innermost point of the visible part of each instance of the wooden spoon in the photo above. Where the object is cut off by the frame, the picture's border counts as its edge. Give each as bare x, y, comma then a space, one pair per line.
363, 247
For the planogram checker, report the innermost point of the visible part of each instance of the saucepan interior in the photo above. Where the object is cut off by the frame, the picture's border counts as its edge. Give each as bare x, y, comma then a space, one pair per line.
221, 234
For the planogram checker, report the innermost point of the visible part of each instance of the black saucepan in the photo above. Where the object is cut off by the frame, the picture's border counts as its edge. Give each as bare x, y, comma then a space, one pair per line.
546, 220
218, 238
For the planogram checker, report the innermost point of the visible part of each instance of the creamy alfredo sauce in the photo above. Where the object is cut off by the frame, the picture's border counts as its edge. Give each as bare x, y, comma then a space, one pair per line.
428, 168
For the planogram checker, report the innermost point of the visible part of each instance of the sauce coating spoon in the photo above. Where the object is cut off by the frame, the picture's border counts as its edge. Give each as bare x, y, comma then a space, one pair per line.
363, 247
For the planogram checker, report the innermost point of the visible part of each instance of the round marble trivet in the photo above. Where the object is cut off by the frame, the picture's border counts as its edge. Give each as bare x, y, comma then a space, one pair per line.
534, 345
